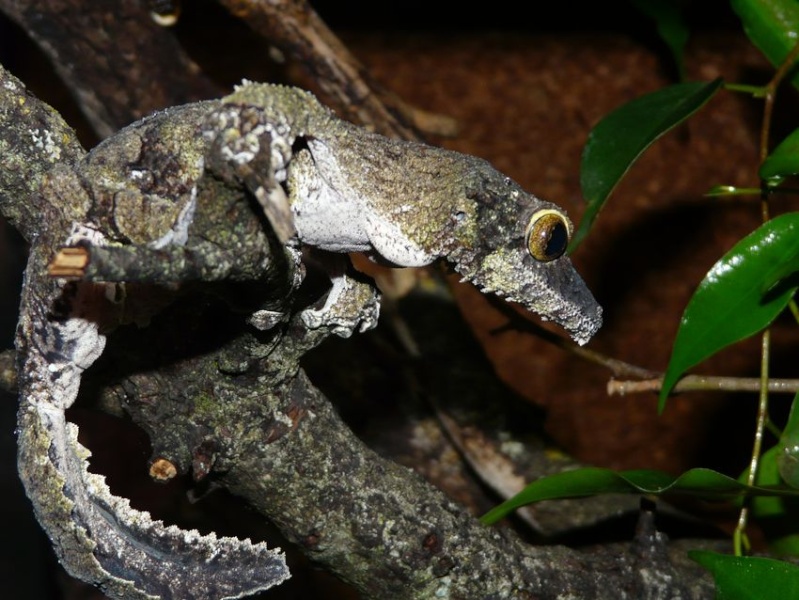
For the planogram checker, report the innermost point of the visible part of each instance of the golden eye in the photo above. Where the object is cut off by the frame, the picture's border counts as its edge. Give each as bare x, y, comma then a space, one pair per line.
164, 12
548, 235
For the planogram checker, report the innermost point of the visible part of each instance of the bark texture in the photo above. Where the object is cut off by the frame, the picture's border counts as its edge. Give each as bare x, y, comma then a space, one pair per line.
118, 63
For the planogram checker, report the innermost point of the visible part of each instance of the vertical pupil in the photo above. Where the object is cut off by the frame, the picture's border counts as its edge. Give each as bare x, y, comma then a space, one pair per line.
556, 239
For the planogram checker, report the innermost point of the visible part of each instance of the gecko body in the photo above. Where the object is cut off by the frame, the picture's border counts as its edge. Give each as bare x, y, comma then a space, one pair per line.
349, 190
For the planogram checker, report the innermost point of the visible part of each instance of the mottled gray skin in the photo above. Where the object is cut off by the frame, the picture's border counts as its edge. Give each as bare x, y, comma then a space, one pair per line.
409, 204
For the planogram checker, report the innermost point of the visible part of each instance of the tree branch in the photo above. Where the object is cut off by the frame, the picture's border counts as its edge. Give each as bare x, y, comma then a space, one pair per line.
97, 536
117, 62
34, 139
296, 29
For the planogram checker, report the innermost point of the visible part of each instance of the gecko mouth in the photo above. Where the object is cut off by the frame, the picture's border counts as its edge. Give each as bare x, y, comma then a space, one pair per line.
580, 314
554, 290
566, 300
581, 322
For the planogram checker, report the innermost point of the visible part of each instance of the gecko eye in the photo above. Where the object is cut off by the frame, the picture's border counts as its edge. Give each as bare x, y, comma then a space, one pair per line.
548, 235
164, 12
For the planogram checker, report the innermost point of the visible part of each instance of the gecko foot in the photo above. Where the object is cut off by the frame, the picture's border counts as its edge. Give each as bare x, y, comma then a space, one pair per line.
350, 305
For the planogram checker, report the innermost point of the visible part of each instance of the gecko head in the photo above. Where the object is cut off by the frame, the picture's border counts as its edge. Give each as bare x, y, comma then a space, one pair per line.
515, 248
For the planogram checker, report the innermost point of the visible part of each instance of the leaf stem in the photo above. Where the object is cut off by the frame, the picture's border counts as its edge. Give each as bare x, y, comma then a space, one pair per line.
770, 96
794, 310
730, 190
740, 540
773, 429
760, 426
757, 91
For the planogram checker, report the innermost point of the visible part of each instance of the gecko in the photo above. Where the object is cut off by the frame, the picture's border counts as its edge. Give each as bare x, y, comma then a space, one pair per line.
341, 188
323, 184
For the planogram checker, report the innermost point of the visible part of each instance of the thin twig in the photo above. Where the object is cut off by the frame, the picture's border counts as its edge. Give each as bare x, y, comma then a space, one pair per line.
771, 92
704, 383
641, 380
757, 444
516, 322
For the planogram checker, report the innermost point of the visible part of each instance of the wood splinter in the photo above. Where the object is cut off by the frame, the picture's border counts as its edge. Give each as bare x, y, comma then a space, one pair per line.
69, 263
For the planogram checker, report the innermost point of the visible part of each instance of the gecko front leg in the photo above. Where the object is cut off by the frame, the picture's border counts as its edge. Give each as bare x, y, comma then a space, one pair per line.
351, 304
263, 146
249, 147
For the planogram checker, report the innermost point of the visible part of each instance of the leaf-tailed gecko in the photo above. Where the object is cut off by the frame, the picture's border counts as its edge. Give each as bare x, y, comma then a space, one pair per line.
323, 183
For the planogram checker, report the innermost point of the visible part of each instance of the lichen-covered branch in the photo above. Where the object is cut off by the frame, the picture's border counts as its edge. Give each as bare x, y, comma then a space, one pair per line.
273, 439
34, 140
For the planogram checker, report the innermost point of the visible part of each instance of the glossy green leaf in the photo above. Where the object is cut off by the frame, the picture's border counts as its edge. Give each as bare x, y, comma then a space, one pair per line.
737, 298
771, 25
777, 517
749, 577
591, 481
621, 136
667, 15
784, 160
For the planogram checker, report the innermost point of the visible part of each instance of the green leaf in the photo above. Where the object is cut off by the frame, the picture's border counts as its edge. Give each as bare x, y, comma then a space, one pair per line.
667, 15
784, 159
590, 481
737, 298
771, 25
788, 447
749, 577
776, 516
621, 137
